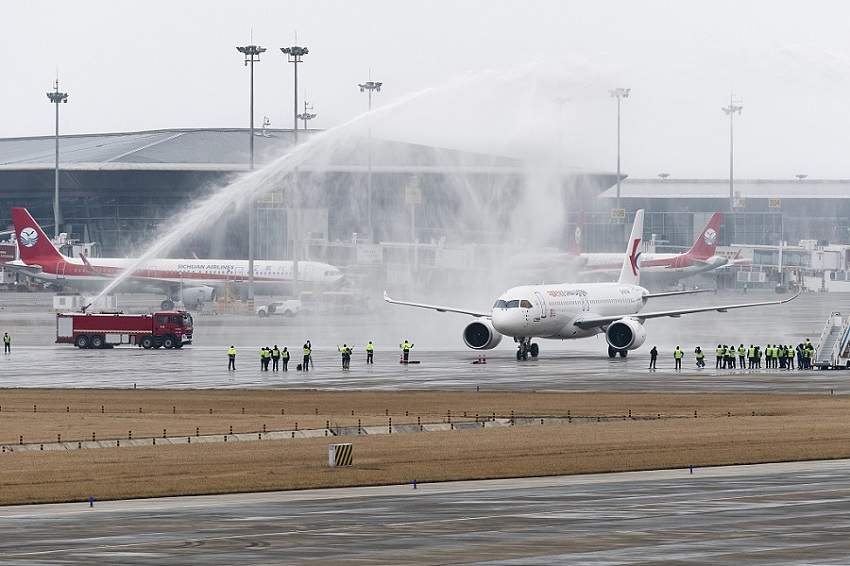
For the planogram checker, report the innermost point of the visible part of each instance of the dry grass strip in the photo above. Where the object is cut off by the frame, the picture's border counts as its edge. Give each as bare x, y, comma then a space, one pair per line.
729, 429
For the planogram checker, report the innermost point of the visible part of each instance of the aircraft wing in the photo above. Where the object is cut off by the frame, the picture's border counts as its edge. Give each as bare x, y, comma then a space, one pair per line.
672, 293
593, 321
435, 307
20, 267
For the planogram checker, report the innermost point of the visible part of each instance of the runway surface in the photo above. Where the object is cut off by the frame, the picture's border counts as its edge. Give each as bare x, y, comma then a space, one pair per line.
769, 514
789, 513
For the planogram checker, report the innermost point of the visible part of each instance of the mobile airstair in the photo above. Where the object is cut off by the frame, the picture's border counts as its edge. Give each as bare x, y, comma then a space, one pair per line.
832, 349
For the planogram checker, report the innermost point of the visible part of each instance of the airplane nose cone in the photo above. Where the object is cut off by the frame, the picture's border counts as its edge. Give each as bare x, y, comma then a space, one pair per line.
511, 322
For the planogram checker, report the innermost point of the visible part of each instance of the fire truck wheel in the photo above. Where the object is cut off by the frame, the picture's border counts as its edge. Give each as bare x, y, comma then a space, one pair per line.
97, 341
169, 342
82, 341
146, 342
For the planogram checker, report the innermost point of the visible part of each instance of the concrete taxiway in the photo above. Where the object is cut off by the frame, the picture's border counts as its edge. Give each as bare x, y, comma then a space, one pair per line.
797, 513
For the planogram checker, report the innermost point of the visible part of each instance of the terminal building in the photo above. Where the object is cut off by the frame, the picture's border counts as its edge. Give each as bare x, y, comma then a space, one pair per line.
364, 204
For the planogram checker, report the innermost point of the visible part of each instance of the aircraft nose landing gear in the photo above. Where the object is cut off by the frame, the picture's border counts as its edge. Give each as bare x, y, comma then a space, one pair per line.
526, 348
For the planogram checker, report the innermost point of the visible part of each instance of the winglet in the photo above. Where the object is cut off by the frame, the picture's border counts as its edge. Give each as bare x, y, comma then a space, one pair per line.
90, 267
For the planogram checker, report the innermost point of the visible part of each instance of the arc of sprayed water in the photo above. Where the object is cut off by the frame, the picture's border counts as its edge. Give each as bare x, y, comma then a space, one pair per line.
250, 186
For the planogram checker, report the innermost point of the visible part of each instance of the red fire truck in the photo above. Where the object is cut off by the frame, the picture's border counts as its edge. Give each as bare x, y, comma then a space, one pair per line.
171, 329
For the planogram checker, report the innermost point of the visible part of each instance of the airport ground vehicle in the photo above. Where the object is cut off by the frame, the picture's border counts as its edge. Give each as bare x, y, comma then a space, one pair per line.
288, 308
172, 329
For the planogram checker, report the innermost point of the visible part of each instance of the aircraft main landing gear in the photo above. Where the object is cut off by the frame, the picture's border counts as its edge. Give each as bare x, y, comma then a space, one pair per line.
612, 352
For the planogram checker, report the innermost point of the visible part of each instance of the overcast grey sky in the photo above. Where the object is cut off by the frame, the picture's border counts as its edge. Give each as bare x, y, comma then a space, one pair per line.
525, 78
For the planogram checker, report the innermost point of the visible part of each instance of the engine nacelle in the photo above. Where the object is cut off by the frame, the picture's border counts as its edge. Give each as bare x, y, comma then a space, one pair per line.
191, 295
626, 334
480, 335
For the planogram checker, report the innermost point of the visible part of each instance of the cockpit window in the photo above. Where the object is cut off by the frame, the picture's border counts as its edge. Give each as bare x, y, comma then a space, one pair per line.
525, 304
500, 304
513, 304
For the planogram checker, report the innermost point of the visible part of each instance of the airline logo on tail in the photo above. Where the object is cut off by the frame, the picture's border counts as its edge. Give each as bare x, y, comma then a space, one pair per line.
634, 256
710, 237
28, 237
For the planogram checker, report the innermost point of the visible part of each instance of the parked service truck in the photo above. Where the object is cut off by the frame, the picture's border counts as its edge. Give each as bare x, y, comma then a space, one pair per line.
171, 329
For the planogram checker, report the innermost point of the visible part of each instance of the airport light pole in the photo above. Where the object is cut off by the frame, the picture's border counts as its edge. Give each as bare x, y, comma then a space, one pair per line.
305, 116
57, 97
294, 55
734, 106
252, 54
619, 94
370, 86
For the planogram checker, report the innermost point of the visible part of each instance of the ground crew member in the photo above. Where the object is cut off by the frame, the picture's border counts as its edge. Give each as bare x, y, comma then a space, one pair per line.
677, 355
742, 353
653, 355
285, 357
405, 348
370, 352
231, 358
346, 356
7, 343
700, 355
751, 354
275, 358
265, 358
719, 351
305, 366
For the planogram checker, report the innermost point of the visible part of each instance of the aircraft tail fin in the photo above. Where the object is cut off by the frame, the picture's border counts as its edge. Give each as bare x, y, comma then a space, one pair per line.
575, 247
706, 244
630, 272
33, 243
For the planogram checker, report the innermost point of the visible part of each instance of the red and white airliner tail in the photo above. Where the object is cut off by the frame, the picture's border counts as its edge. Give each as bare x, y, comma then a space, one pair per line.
706, 245
33, 244
193, 279
577, 241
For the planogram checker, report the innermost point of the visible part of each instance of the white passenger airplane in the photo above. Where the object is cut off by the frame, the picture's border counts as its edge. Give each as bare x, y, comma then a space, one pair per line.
190, 280
571, 311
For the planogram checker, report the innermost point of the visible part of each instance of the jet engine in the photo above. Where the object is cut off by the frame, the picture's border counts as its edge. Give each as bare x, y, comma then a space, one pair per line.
191, 295
480, 335
626, 334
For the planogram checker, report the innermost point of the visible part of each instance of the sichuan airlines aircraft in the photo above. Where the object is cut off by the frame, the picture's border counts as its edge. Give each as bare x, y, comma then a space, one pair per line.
192, 279
655, 267
571, 311
699, 259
